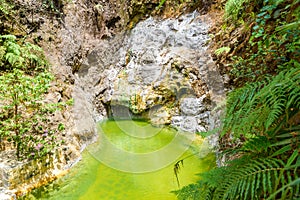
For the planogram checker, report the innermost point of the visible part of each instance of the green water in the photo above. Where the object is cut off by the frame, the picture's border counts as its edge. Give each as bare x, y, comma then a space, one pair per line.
90, 179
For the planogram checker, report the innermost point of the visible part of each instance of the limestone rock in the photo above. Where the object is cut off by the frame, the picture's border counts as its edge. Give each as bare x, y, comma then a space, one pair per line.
192, 106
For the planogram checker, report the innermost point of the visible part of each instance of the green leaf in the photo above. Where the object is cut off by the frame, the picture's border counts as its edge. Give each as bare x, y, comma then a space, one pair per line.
267, 16
8, 37
261, 14
282, 150
292, 158
222, 50
282, 142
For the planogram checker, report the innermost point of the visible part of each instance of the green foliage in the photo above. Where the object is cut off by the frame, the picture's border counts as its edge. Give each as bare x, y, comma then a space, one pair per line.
274, 43
21, 98
263, 114
191, 192
161, 3
21, 55
258, 107
24, 81
233, 8
256, 145
7, 16
267, 165
222, 50
5, 8
248, 177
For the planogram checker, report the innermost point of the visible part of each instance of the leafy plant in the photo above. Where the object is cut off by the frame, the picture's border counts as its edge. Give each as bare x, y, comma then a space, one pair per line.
273, 43
161, 3
234, 9
222, 50
20, 95
24, 80
262, 116
263, 106
265, 115
5, 8
251, 176
267, 165
24, 56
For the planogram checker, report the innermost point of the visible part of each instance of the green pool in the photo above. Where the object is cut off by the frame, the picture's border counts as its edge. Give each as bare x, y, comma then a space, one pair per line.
143, 170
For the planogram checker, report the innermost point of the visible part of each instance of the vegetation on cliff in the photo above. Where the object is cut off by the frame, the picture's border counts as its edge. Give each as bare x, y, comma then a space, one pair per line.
24, 82
260, 132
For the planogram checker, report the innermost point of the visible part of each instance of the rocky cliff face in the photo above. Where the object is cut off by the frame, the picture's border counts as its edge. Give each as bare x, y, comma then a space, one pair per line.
77, 35
157, 71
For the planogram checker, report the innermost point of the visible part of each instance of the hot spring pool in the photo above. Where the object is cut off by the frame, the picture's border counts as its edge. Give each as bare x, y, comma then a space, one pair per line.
92, 179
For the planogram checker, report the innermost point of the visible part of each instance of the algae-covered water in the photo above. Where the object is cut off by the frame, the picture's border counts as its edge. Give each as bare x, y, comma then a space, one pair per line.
98, 177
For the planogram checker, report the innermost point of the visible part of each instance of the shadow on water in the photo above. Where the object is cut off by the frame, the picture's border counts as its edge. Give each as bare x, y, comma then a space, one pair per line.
91, 179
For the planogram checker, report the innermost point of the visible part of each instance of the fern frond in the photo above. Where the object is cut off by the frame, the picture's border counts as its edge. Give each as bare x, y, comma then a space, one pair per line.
257, 145
252, 180
199, 191
295, 182
233, 8
247, 178
257, 107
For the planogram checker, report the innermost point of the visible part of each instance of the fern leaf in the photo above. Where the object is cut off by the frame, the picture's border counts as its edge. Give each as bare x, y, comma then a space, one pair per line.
282, 150
283, 142
292, 158
11, 58
257, 144
293, 183
276, 112
259, 106
8, 37
222, 50
247, 179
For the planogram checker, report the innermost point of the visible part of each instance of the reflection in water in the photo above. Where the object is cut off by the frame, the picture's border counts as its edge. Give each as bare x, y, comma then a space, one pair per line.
92, 180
